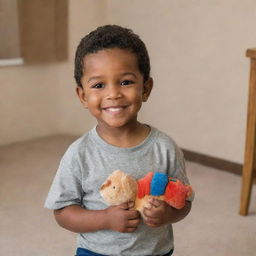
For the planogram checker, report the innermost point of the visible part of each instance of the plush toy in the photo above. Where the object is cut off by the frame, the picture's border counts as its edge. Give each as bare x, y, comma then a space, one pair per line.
120, 188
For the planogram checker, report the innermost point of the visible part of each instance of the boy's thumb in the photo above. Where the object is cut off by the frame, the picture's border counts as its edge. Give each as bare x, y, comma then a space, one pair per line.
127, 205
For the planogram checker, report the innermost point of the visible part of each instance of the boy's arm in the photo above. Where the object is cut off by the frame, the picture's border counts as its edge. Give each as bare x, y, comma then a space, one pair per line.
80, 220
160, 213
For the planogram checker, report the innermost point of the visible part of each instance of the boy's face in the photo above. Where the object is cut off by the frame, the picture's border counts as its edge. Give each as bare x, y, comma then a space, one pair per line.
113, 88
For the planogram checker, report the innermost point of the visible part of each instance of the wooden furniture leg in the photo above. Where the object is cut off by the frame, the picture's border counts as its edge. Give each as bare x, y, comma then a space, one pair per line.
250, 144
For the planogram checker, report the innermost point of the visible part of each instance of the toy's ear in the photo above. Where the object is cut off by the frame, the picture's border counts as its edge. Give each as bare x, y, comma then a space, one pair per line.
129, 186
106, 184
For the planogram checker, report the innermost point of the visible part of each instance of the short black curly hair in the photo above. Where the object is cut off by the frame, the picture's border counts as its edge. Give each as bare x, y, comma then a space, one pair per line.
111, 36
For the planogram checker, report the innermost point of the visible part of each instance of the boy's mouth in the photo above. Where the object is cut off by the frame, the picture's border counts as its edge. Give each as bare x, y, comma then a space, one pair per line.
115, 109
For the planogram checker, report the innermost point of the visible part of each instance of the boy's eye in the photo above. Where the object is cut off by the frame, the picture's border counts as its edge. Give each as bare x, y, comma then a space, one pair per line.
98, 86
126, 82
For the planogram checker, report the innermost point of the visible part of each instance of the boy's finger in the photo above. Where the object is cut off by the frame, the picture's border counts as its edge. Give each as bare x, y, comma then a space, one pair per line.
149, 212
133, 223
130, 204
127, 205
152, 221
133, 214
154, 202
151, 224
130, 230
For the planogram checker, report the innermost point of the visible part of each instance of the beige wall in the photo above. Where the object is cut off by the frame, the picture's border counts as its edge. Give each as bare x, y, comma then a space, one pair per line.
84, 17
197, 50
39, 100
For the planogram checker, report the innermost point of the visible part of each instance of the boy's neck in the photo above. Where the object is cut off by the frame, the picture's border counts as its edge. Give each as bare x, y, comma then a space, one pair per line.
125, 137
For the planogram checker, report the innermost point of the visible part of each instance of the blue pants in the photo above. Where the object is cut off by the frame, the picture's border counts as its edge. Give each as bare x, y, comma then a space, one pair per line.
84, 252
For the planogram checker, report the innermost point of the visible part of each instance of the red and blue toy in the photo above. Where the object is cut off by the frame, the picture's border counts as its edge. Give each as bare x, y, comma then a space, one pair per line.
159, 185
121, 187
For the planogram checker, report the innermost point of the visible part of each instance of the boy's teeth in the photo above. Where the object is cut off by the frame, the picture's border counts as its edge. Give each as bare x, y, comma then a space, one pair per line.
114, 109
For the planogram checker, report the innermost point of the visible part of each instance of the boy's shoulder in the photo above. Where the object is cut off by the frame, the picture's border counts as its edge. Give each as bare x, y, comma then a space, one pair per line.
80, 144
164, 139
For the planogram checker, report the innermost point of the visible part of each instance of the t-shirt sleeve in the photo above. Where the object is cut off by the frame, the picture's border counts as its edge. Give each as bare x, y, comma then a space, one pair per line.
66, 188
179, 169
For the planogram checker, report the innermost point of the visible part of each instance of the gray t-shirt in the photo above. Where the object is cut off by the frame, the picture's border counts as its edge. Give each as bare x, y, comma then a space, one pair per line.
86, 165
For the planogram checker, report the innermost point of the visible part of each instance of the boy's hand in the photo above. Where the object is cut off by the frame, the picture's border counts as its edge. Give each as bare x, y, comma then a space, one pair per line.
123, 218
158, 213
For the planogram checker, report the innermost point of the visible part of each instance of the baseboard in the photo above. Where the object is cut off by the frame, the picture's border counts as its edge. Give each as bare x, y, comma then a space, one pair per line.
213, 162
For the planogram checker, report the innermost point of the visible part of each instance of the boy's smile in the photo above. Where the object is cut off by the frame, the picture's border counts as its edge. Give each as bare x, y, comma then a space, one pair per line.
113, 87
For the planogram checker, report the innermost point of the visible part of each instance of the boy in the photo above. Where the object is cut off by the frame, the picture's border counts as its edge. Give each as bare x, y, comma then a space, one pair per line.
112, 72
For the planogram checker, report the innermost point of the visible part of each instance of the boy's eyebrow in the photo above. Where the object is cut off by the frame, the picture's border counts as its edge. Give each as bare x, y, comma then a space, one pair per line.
94, 78
129, 73
99, 77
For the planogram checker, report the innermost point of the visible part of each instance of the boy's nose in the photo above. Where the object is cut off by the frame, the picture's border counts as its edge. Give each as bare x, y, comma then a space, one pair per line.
114, 92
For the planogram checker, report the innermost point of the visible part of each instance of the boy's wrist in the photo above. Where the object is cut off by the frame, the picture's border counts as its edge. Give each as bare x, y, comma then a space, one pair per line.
175, 215
171, 214
105, 219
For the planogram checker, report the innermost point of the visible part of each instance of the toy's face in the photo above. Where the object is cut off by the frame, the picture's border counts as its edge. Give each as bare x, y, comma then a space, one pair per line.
111, 191
119, 188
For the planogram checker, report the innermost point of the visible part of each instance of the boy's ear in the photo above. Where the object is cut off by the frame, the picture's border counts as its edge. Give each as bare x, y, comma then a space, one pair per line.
81, 95
147, 87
